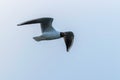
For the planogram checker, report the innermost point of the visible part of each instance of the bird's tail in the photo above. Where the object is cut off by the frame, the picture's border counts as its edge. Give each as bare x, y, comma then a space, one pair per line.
38, 38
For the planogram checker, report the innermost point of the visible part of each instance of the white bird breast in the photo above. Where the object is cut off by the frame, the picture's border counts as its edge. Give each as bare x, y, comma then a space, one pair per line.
51, 35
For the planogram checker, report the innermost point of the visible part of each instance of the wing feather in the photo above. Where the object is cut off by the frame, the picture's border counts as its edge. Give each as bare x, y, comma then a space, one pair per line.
46, 23
68, 38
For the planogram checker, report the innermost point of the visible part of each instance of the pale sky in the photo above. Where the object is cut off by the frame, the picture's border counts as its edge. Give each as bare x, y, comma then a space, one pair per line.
95, 54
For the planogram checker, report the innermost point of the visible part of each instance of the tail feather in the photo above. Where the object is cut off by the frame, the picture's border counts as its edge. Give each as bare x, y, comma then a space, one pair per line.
38, 38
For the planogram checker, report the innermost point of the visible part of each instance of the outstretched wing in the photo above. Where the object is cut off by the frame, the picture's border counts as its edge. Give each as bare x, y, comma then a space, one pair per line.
68, 38
46, 23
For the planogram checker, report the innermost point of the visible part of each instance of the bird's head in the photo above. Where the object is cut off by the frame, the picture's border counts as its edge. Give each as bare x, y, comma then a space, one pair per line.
62, 34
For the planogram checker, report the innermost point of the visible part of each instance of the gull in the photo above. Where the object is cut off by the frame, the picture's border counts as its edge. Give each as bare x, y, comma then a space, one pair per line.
49, 33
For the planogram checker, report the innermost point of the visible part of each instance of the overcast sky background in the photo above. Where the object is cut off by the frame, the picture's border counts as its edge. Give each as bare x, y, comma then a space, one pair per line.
95, 54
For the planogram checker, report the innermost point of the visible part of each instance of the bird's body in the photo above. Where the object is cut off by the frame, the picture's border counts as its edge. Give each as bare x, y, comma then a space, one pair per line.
48, 36
49, 33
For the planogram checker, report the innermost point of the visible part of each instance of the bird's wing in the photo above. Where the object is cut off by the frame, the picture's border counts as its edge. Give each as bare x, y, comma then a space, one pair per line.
46, 23
68, 38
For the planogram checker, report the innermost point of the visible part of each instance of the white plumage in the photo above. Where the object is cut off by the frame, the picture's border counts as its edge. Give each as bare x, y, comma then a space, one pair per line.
49, 33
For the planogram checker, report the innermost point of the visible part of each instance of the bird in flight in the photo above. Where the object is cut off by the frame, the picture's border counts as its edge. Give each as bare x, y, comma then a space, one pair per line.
49, 33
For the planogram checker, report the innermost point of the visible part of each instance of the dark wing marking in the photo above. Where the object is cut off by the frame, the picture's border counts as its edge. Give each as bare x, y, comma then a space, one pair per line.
68, 38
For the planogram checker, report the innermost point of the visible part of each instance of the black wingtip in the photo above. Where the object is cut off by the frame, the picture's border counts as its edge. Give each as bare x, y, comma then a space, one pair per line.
18, 24
67, 50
